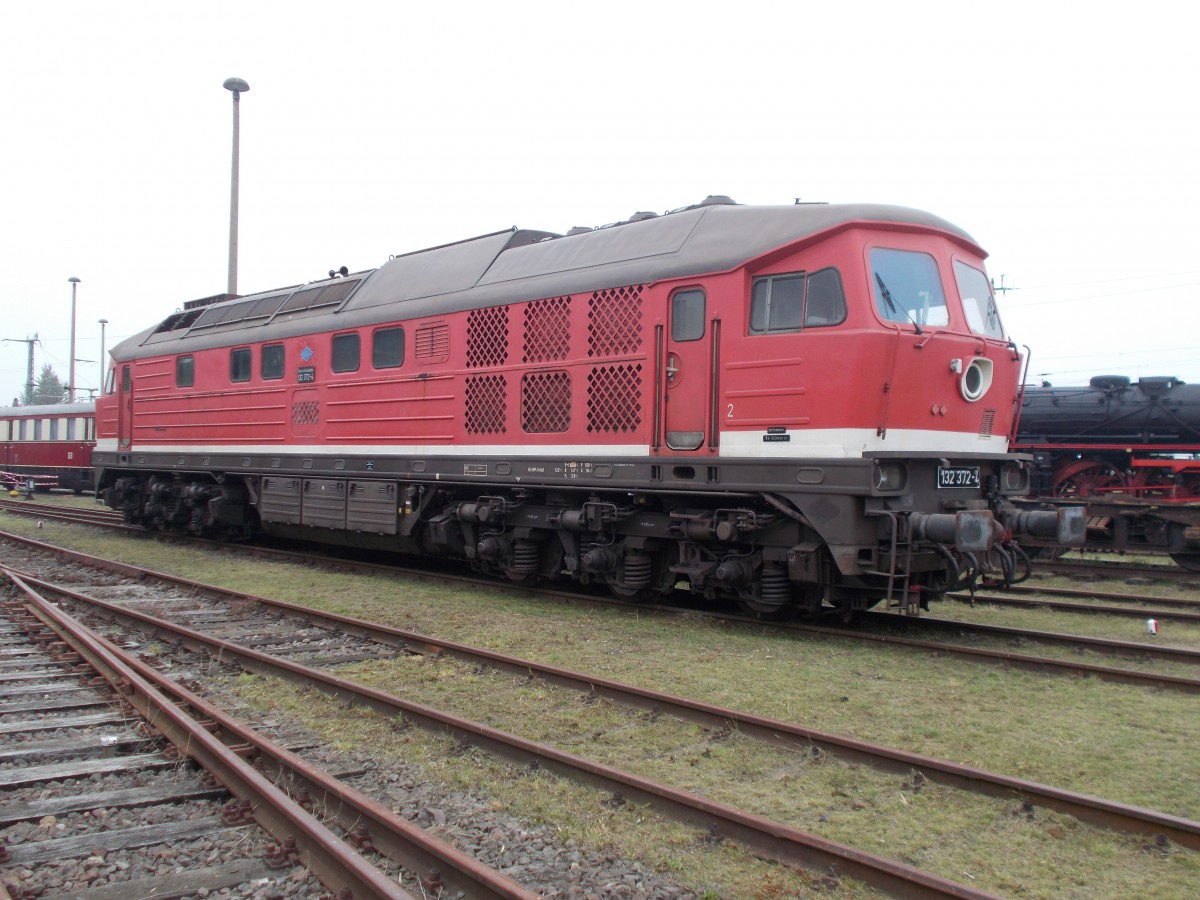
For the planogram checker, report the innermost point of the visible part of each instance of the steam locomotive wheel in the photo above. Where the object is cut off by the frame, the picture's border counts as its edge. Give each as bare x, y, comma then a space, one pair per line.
1191, 487
1089, 478
1153, 483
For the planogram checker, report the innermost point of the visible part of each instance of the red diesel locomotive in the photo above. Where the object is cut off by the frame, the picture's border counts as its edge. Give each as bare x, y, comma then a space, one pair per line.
793, 407
50, 444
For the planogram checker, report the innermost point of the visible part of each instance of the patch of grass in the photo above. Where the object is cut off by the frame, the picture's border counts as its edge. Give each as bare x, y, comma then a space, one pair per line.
1125, 743
718, 869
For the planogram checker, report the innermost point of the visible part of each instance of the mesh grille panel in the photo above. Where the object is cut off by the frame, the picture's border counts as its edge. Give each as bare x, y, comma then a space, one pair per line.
615, 321
485, 412
546, 401
487, 337
306, 412
614, 399
547, 329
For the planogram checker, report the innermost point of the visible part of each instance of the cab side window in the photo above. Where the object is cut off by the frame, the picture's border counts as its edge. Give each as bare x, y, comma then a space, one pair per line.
796, 300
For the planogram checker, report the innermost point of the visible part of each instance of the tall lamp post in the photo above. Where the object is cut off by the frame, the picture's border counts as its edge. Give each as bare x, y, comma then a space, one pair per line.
103, 361
71, 378
238, 87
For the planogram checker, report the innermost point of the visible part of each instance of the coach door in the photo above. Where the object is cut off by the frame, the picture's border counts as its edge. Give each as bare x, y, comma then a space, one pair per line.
125, 409
688, 373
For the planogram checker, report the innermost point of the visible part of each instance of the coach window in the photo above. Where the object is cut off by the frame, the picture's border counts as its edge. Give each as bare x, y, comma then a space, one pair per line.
908, 288
687, 316
271, 363
185, 371
52, 426
240, 364
346, 352
387, 348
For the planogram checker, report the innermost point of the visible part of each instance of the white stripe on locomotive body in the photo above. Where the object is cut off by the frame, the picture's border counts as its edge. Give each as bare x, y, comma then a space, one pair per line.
854, 443
850, 443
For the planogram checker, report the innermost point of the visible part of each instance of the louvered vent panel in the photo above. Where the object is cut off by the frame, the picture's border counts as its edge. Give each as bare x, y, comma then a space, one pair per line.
615, 321
485, 412
547, 330
487, 337
989, 422
433, 344
546, 401
614, 399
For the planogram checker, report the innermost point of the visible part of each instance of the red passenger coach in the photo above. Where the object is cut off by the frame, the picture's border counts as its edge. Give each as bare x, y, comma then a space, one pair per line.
793, 407
50, 444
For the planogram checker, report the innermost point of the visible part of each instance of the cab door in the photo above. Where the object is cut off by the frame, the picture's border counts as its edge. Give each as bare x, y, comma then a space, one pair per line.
125, 409
688, 373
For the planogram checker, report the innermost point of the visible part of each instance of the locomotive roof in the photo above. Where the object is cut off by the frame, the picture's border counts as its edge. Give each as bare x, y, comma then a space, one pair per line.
518, 265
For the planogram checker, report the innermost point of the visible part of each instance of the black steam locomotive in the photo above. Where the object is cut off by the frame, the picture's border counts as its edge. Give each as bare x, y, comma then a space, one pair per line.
1128, 450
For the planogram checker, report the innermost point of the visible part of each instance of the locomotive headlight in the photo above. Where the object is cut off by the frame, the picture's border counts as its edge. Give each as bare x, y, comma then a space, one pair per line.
889, 477
976, 379
1014, 479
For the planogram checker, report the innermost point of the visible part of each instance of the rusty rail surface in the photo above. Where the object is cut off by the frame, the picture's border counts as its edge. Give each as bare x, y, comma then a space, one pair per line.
1095, 810
764, 836
338, 866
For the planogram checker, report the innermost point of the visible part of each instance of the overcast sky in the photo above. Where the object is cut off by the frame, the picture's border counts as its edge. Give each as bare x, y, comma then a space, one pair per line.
1063, 137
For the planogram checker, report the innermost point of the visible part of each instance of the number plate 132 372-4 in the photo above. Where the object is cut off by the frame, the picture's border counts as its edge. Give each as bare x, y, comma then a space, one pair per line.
958, 476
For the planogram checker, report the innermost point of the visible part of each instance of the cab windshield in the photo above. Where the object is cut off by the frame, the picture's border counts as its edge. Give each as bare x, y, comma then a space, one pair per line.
907, 288
979, 303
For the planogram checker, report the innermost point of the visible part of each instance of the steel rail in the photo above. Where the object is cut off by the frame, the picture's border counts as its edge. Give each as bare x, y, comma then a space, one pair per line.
398, 839
1087, 808
1081, 593
1164, 572
1126, 649
1026, 662
335, 864
1171, 615
762, 835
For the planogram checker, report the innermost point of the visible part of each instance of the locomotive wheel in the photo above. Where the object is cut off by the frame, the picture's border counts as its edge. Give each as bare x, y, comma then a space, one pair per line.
631, 594
1191, 487
1089, 479
767, 612
1189, 561
1153, 483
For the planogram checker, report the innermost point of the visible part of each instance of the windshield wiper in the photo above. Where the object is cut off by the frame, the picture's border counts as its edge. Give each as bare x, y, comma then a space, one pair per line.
891, 304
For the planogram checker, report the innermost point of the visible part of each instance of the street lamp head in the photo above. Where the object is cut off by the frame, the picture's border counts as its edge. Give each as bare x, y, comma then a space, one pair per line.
73, 280
103, 321
237, 85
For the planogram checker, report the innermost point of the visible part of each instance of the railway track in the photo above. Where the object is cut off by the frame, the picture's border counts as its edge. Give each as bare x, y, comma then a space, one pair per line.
391, 640
773, 839
41, 641
885, 625
936, 648
1087, 568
